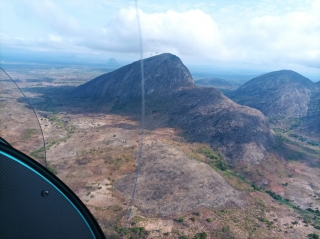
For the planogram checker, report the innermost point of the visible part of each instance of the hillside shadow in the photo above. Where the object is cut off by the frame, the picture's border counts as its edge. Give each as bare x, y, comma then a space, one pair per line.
291, 151
160, 113
62, 99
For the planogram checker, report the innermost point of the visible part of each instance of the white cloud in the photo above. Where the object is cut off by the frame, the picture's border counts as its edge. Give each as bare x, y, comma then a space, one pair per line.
292, 37
49, 14
268, 39
259, 32
54, 38
190, 33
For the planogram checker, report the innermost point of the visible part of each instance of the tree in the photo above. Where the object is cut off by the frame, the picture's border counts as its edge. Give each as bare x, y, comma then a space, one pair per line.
313, 236
201, 235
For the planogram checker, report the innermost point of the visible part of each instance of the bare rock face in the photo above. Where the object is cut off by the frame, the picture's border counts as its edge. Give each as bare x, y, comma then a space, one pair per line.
170, 183
163, 74
277, 93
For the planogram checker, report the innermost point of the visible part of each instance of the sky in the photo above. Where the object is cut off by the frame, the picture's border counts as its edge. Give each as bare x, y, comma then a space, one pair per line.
257, 36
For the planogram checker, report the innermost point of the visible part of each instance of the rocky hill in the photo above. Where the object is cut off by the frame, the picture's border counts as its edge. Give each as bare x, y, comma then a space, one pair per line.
241, 133
112, 62
204, 114
283, 92
220, 84
170, 183
311, 122
163, 74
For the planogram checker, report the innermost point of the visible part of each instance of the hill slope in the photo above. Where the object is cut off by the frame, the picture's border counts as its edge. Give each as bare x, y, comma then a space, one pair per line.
205, 115
163, 73
311, 122
277, 93
241, 133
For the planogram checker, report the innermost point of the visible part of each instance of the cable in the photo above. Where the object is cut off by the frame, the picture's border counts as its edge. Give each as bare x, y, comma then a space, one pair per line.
44, 144
142, 121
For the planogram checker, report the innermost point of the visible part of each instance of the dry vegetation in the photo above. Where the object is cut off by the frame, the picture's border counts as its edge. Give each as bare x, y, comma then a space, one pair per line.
185, 190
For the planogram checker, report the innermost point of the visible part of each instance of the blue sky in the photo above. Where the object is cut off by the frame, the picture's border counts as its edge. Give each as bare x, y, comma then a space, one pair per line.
259, 35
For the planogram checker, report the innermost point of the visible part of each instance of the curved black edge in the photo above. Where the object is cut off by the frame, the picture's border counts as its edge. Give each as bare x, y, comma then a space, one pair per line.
3, 141
59, 184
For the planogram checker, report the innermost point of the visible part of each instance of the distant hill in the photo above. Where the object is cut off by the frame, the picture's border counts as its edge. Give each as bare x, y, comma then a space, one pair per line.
220, 84
204, 114
112, 62
277, 93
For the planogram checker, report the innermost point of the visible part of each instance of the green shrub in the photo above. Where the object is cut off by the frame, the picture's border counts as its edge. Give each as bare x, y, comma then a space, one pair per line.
135, 230
201, 235
225, 229
221, 164
313, 236
183, 237
216, 159
52, 170
39, 153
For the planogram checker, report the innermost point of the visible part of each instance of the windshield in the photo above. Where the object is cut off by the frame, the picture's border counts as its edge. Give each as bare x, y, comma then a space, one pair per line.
171, 120
19, 124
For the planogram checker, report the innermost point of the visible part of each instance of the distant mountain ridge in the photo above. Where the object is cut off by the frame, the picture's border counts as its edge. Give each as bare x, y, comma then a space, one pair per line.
283, 92
205, 115
112, 62
221, 84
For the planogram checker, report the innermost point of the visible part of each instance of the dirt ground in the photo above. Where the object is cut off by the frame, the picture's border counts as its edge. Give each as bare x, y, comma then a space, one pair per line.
178, 192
